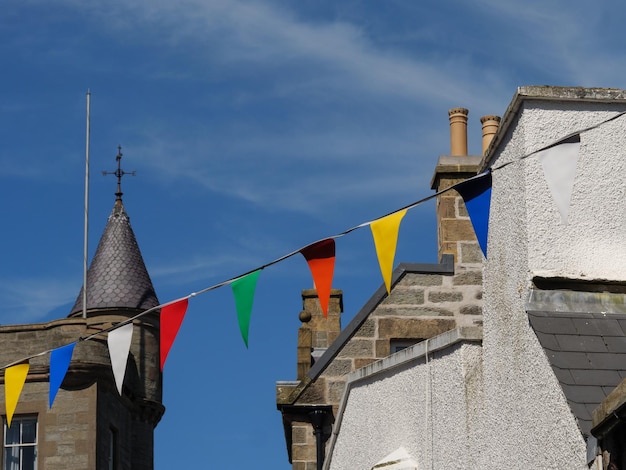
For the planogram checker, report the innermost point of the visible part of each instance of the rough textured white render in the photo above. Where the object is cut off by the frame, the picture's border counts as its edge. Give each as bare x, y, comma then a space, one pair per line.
528, 423
430, 408
592, 244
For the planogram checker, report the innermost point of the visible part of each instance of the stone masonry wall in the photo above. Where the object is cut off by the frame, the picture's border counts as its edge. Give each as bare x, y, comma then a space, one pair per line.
303, 447
455, 233
317, 332
67, 432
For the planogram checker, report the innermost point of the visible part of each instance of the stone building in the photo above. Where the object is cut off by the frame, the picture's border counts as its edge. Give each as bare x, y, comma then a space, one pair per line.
542, 384
90, 426
426, 300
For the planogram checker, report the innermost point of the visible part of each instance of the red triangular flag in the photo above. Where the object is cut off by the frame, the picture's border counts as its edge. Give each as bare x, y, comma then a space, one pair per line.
171, 318
321, 258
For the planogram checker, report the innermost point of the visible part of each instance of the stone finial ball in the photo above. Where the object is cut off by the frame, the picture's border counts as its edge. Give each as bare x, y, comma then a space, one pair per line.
305, 316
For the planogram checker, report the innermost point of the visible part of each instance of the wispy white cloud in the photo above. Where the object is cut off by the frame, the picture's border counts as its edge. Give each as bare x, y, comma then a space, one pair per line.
298, 62
200, 268
289, 62
258, 36
569, 42
311, 172
27, 300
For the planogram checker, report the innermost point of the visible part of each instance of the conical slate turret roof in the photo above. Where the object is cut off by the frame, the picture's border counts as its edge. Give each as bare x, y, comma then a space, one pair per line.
117, 277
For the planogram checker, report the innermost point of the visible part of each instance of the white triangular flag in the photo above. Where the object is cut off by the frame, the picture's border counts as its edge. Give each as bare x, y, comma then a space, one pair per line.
119, 347
559, 168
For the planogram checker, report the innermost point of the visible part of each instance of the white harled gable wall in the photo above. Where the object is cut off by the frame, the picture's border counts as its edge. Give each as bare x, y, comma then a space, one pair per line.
528, 423
417, 406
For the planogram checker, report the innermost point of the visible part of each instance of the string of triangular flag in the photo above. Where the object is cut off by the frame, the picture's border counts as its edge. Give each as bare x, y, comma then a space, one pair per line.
559, 161
320, 257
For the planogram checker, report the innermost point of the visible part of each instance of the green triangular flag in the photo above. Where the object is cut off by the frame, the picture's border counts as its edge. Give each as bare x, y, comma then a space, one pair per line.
243, 288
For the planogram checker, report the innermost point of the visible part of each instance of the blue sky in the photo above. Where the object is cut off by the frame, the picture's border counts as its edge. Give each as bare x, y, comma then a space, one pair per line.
255, 128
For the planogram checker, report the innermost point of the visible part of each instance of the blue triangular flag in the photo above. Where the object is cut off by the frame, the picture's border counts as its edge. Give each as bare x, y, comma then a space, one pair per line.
476, 192
60, 359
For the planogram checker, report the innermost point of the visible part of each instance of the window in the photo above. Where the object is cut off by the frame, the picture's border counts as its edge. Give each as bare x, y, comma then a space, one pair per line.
397, 345
113, 448
20, 443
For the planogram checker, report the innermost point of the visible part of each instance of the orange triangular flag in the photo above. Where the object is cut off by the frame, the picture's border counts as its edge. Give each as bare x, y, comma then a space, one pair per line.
14, 379
385, 232
321, 259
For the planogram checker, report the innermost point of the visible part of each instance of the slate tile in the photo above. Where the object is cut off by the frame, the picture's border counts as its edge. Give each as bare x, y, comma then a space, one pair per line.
605, 325
590, 407
598, 326
607, 360
607, 389
580, 410
586, 326
553, 324
616, 344
609, 378
585, 426
569, 360
564, 376
622, 323
581, 343
584, 393
548, 341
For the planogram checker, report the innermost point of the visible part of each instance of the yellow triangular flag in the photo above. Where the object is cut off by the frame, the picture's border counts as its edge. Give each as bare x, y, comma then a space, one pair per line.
14, 379
385, 232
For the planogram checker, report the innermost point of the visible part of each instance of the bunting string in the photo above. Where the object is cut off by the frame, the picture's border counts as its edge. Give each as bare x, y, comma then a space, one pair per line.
317, 254
559, 141
226, 282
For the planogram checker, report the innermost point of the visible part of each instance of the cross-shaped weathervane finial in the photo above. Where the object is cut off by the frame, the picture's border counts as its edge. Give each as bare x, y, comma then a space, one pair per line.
119, 173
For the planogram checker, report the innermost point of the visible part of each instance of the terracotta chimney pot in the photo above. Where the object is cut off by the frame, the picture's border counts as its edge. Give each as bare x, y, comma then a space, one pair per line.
490, 128
458, 131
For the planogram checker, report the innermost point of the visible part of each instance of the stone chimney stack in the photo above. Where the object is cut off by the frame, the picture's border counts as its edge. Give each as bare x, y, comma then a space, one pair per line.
458, 131
317, 333
490, 128
455, 233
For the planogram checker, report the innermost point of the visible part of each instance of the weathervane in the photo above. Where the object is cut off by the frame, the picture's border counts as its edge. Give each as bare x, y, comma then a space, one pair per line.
119, 173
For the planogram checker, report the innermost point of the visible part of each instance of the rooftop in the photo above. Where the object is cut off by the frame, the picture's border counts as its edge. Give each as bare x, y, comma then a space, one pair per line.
584, 337
117, 277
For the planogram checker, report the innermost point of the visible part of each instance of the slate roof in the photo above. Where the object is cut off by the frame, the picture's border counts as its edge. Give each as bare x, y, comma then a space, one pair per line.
117, 277
587, 352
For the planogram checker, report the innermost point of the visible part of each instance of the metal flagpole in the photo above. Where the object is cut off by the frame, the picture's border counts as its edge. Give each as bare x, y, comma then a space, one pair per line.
85, 251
